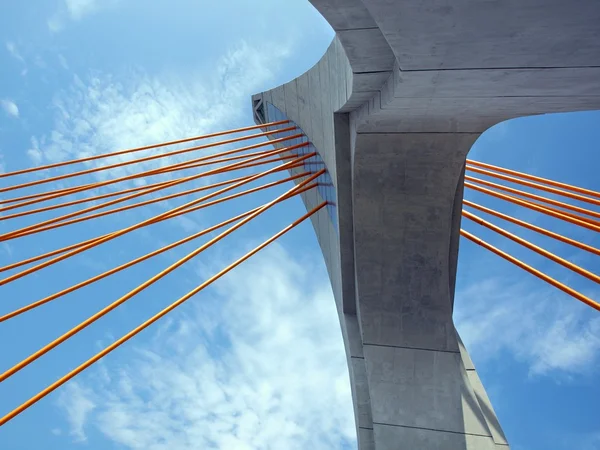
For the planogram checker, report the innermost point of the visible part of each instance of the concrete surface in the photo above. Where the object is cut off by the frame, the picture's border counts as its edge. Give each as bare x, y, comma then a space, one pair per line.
393, 107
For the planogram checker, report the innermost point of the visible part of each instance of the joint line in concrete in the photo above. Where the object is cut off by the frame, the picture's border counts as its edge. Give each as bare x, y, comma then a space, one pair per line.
356, 29
420, 132
412, 348
372, 71
498, 68
430, 429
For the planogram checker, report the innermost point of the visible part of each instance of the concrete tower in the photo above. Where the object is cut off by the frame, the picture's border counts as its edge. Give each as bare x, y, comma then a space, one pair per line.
393, 107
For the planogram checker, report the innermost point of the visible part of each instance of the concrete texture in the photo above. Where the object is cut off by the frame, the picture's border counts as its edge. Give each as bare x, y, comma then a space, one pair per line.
393, 107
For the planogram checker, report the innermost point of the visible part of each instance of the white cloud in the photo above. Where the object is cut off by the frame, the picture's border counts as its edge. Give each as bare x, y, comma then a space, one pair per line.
10, 107
78, 405
34, 153
81, 8
259, 365
590, 441
76, 10
533, 324
39, 61
63, 61
56, 23
7, 248
14, 51
103, 113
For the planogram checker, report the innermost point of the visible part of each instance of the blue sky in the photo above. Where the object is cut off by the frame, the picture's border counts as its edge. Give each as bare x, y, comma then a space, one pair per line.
256, 361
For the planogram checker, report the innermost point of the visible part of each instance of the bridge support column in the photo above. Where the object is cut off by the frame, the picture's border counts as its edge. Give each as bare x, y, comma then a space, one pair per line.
407, 198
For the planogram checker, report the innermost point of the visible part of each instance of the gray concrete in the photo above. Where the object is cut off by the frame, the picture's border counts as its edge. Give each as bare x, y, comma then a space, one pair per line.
393, 107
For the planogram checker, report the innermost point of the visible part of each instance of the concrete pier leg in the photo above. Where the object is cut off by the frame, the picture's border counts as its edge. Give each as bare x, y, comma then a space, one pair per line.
405, 187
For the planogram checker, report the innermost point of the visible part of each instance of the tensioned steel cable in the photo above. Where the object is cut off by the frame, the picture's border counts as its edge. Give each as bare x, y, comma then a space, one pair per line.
552, 190
537, 229
527, 176
159, 199
138, 149
80, 244
112, 194
563, 287
49, 195
52, 387
130, 228
34, 356
525, 243
537, 203
136, 189
566, 213
135, 261
530, 205
539, 198
305, 181
144, 159
63, 219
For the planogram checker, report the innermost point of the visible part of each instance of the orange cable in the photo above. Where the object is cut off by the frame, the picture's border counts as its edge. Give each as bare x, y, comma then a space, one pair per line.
125, 191
63, 219
525, 243
81, 200
159, 199
48, 195
535, 228
539, 198
562, 212
530, 184
566, 213
34, 356
49, 254
39, 195
80, 244
535, 207
534, 178
557, 284
150, 321
150, 220
139, 160
135, 261
147, 147
142, 188
232, 196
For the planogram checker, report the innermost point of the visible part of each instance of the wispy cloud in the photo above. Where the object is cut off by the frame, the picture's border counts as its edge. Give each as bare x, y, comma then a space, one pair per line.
531, 323
590, 441
7, 249
63, 61
76, 10
10, 107
76, 401
81, 8
260, 364
56, 23
103, 113
14, 51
